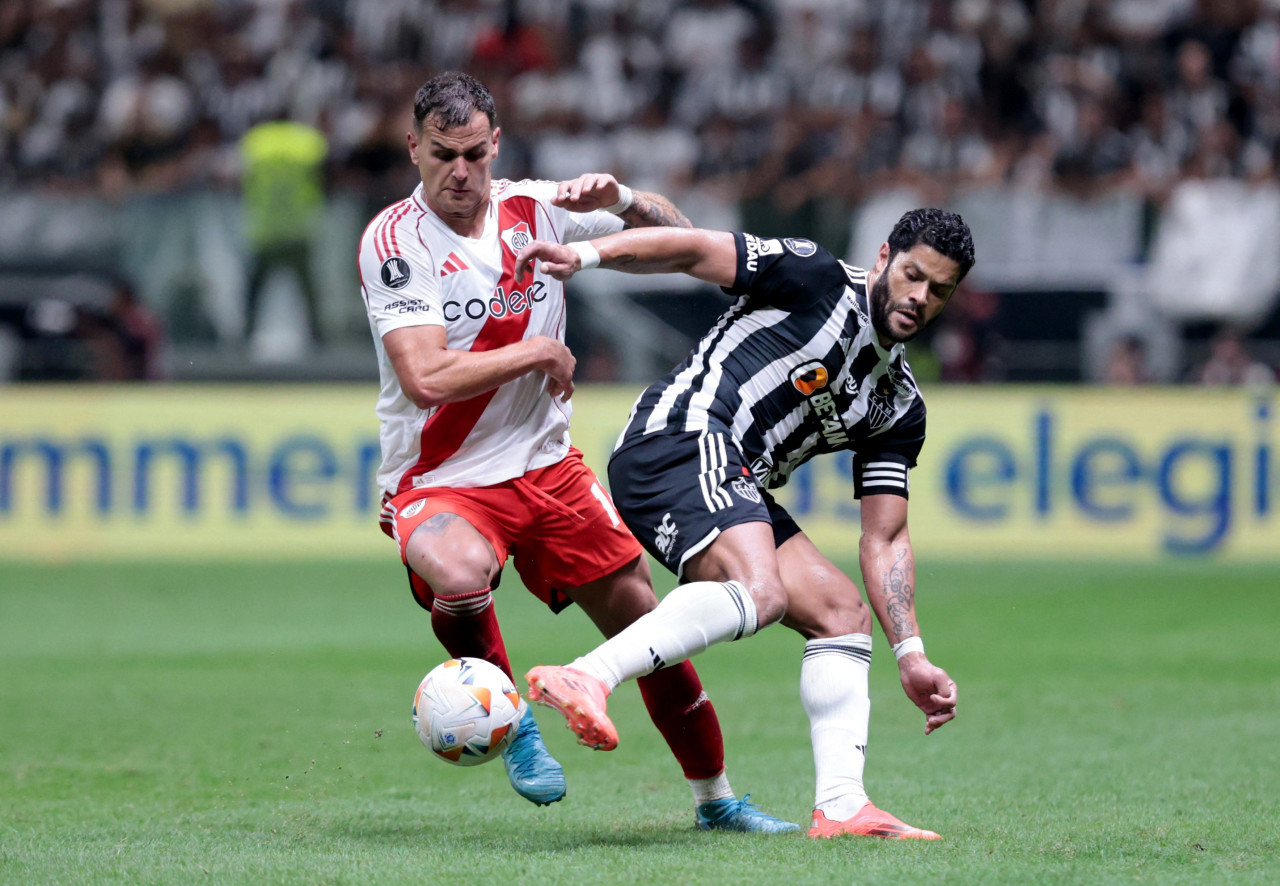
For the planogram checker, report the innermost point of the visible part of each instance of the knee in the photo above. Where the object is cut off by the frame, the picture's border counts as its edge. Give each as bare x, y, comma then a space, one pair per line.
828, 615
459, 569
770, 597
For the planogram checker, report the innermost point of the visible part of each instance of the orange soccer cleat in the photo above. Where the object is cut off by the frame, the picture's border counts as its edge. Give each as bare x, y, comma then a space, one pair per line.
869, 822
580, 698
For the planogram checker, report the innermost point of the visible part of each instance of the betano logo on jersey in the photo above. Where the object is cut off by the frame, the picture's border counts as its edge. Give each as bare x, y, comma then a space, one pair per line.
810, 380
809, 377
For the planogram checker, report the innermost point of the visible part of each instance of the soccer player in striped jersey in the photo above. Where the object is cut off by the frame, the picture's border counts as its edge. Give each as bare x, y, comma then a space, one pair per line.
809, 359
476, 458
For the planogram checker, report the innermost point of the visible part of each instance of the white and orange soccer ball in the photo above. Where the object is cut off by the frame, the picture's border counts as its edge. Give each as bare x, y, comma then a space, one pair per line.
467, 711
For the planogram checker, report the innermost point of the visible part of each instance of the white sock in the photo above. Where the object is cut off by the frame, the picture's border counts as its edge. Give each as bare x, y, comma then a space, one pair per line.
686, 622
707, 789
833, 688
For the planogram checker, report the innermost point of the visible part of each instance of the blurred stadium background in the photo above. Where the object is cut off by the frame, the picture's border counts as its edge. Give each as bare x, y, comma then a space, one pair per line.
1117, 162
186, 376
184, 183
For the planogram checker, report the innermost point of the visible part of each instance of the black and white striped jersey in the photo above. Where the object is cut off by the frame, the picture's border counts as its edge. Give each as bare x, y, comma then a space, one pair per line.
792, 370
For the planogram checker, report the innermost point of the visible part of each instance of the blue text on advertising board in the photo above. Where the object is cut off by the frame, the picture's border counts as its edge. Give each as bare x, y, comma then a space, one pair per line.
1201, 481
296, 474
1105, 475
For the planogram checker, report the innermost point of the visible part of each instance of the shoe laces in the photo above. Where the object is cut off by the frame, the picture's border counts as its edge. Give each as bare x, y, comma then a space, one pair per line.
731, 806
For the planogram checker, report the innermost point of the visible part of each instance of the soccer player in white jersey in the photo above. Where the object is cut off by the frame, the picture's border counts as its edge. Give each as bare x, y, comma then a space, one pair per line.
810, 359
476, 458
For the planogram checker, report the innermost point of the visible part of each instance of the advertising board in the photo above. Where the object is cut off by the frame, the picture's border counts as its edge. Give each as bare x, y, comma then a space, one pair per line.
209, 471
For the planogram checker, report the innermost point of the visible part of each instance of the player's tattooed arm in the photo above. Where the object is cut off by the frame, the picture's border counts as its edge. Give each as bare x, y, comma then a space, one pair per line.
888, 566
650, 210
888, 570
900, 595
596, 190
889, 573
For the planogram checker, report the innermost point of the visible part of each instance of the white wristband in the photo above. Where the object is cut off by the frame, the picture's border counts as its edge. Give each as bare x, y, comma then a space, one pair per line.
625, 199
911, 644
588, 254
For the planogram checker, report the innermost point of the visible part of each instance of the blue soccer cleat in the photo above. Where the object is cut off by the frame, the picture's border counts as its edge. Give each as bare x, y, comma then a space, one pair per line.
532, 771
733, 814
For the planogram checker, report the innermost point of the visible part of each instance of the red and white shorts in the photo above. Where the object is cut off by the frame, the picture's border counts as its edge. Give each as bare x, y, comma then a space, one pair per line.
558, 523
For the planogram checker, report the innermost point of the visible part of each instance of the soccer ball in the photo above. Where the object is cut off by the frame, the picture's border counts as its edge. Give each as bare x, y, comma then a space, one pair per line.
467, 711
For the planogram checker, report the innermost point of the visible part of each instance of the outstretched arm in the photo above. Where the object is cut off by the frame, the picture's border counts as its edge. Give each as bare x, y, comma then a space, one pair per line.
599, 190
706, 255
889, 574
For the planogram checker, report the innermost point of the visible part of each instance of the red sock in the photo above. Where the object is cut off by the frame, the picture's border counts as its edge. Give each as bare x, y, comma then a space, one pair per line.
686, 718
465, 624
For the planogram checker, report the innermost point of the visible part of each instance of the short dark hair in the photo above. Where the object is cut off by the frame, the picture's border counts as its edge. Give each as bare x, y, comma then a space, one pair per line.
944, 231
451, 99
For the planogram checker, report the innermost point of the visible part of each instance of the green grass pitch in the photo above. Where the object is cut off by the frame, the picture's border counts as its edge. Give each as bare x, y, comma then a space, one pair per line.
250, 723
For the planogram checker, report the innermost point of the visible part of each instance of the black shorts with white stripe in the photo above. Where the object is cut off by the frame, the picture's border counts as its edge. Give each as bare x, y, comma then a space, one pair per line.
677, 492
883, 474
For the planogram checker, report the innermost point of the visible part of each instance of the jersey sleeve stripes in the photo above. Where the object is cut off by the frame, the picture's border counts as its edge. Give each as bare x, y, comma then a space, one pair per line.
397, 271
386, 240
884, 476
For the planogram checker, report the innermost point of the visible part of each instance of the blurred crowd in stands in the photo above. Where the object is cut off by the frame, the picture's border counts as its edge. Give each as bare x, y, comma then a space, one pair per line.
792, 98
775, 115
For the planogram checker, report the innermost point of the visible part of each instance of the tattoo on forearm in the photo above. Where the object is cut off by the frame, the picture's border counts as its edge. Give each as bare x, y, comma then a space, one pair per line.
633, 264
653, 210
900, 593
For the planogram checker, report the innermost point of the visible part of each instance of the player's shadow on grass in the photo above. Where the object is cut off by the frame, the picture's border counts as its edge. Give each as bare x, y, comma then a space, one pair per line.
479, 834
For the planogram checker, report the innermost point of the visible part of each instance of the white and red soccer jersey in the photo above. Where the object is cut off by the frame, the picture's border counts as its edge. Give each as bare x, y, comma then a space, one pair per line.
414, 271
